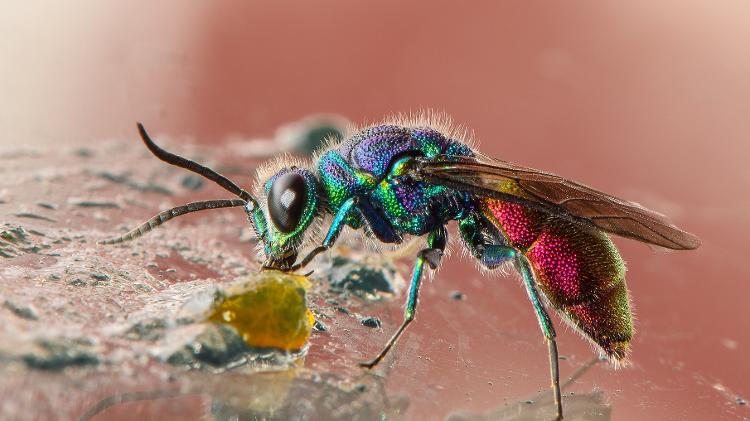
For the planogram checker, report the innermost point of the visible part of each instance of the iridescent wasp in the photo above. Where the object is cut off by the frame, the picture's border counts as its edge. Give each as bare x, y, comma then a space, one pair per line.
412, 176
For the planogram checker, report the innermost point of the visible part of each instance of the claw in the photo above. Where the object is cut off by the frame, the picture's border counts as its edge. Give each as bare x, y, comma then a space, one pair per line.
433, 257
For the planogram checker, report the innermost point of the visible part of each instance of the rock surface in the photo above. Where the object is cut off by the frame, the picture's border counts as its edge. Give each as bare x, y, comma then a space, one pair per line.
141, 313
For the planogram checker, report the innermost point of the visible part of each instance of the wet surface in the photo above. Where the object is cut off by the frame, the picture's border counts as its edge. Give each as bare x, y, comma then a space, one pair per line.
645, 100
111, 333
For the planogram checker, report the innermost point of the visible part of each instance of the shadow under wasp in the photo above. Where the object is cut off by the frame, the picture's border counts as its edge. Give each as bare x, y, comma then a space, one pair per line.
412, 176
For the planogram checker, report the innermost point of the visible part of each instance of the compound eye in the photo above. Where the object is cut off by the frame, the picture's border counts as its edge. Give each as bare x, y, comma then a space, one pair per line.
286, 201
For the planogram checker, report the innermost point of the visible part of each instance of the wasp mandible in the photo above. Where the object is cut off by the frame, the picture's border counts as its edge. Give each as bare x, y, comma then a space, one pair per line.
411, 177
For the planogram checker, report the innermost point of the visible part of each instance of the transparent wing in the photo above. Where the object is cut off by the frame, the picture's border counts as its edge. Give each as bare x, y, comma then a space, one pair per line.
553, 194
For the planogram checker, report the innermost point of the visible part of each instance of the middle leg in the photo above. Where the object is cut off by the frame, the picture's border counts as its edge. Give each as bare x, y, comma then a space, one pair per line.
431, 255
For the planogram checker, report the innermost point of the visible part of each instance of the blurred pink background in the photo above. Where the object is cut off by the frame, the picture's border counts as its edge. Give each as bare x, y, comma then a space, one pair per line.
645, 100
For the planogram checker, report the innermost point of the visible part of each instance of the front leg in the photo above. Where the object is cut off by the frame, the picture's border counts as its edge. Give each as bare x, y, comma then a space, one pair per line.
431, 255
333, 233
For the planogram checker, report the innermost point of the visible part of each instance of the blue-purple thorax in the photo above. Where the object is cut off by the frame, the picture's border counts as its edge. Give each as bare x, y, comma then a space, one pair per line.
369, 166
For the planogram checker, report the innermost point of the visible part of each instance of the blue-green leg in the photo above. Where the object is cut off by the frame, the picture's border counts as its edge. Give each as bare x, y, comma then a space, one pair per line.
431, 255
492, 256
337, 225
547, 329
489, 255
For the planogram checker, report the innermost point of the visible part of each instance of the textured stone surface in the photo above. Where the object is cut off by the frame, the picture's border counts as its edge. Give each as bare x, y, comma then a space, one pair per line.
101, 323
118, 332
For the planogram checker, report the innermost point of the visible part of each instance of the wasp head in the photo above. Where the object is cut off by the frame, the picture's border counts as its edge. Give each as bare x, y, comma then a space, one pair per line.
288, 202
284, 207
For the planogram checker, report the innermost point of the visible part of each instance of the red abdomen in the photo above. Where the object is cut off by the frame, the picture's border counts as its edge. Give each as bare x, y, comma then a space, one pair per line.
576, 267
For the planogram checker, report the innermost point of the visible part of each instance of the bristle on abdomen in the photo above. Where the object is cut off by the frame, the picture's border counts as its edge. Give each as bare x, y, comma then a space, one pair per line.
579, 271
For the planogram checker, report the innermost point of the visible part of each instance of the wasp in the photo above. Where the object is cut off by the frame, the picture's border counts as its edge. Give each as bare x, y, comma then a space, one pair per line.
411, 177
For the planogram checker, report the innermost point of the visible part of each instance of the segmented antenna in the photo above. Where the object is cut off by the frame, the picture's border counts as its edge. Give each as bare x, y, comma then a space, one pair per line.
166, 215
193, 166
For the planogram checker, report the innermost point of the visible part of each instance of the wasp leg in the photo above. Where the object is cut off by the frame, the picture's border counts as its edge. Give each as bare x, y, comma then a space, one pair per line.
431, 255
547, 329
333, 233
492, 256
489, 255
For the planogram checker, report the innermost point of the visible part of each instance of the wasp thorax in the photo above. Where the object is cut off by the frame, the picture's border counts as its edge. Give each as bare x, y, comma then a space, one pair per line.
286, 201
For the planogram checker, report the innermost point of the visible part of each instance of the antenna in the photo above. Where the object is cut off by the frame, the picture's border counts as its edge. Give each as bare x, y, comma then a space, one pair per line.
164, 216
195, 167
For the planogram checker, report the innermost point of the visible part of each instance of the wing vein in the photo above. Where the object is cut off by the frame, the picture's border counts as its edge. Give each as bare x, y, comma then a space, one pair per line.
554, 195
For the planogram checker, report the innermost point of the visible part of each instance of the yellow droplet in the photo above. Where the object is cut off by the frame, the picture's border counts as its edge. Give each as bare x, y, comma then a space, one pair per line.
269, 311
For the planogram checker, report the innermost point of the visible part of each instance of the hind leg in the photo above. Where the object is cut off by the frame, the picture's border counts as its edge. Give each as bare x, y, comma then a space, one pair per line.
492, 256
547, 329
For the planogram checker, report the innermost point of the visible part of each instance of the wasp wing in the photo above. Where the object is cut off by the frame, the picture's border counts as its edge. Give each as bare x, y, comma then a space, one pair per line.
553, 194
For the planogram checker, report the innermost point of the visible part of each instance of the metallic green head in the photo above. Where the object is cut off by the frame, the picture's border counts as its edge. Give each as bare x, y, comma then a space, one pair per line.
288, 202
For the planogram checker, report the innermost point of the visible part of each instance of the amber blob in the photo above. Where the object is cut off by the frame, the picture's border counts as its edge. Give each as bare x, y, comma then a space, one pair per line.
270, 311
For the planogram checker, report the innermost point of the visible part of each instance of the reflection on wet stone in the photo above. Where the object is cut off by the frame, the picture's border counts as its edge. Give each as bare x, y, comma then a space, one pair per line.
584, 407
272, 395
591, 406
299, 395
144, 337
